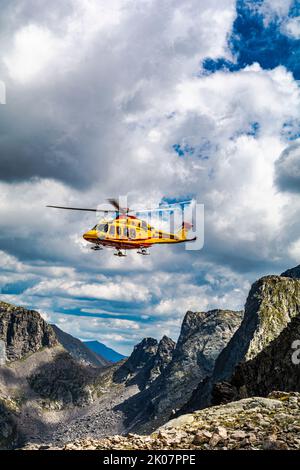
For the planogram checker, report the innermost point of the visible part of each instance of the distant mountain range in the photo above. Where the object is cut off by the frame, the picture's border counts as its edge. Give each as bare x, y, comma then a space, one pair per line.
103, 351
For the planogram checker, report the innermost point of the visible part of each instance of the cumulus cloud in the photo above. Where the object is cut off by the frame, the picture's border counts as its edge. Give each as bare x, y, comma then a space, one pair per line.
71, 87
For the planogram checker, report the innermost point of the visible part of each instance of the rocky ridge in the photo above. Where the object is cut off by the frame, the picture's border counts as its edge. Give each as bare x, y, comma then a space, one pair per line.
78, 350
272, 303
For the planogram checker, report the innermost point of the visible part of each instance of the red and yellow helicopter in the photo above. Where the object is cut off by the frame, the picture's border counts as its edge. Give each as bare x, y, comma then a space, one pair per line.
128, 232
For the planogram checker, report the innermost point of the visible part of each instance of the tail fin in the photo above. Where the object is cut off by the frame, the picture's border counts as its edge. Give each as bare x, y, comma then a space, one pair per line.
183, 231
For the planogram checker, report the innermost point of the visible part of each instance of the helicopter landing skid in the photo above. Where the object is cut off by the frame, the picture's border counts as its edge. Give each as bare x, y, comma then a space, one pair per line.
120, 253
96, 248
143, 251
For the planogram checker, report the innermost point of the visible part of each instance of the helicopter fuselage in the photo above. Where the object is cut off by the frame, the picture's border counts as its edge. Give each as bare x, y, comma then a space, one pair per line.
130, 232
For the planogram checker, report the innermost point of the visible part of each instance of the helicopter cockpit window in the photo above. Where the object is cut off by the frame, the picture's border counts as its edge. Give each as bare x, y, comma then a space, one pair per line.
103, 228
144, 225
112, 230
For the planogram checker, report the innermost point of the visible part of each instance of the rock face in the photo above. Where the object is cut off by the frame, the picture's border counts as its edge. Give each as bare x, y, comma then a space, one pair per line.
203, 336
23, 331
148, 359
78, 350
293, 272
162, 358
64, 381
272, 303
277, 367
8, 428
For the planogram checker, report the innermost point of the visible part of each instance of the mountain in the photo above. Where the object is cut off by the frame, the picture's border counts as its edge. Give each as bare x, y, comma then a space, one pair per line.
272, 303
203, 336
39, 378
107, 353
292, 272
147, 361
237, 360
78, 350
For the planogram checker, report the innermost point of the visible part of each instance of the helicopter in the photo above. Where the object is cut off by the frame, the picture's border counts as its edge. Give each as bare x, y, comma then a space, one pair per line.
126, 231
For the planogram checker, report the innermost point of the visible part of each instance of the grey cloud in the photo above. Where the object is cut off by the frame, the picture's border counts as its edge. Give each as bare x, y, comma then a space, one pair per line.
288, 169
69, 124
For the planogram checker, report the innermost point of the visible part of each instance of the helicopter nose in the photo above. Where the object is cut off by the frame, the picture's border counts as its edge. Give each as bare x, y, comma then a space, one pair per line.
88, 235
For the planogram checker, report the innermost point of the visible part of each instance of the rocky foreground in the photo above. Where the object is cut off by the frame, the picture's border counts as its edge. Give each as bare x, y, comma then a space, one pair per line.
256, 423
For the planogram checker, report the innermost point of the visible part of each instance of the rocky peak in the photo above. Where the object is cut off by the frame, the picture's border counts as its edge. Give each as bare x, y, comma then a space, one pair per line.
293, 272
276, 367
272, 303
163, 357
23, 331
136, 368
142, 353
190, 325
203, 336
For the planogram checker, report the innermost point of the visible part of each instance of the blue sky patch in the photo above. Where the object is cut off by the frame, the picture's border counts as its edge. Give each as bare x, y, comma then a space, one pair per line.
255, 40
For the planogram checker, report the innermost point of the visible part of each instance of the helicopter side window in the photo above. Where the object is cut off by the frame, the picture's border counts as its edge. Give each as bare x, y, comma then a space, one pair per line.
118, 230
132, 233
126, 232
112, 230
144, 225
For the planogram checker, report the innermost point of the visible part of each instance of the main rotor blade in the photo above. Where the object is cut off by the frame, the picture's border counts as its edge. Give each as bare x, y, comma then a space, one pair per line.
114, 203
80, 209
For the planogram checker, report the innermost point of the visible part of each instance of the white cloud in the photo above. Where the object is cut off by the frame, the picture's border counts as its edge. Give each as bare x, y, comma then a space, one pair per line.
291, 27
294, 251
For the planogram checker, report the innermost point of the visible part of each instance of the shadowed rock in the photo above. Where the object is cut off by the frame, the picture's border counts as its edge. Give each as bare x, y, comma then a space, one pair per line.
23, 331
147, 361
292, 272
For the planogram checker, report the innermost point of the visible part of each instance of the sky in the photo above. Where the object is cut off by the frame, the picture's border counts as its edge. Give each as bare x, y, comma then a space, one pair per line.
156, 100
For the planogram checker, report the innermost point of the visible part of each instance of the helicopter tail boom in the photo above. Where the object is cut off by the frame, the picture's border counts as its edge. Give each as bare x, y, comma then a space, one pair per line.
183, 231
